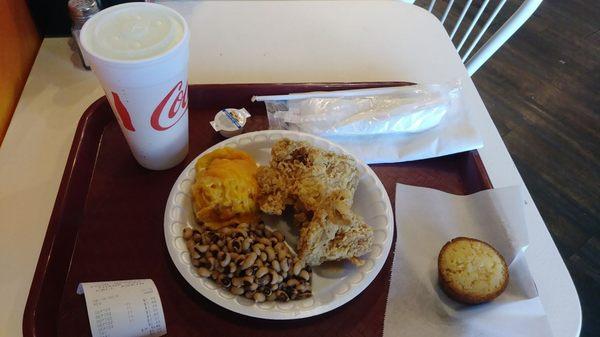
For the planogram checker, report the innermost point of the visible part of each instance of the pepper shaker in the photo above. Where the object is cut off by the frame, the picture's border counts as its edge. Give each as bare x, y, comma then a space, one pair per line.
80, 11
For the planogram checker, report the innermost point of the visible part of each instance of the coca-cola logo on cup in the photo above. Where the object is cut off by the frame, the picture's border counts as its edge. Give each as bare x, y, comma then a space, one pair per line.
177, 98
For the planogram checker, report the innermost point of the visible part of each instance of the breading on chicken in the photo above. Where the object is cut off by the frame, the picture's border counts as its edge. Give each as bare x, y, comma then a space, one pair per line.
334, 233
299, 171
320, 187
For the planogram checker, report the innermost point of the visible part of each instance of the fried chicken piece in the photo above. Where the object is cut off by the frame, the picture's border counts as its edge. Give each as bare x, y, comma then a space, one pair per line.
320, 187
301, 172
334, 233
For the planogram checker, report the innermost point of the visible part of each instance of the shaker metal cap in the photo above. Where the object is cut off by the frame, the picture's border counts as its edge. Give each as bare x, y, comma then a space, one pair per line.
81, 10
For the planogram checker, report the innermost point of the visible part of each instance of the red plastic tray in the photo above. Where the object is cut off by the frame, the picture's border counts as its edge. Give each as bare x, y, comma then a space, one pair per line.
107, 224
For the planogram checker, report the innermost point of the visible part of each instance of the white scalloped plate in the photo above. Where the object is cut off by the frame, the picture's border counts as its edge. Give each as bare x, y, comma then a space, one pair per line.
332, 286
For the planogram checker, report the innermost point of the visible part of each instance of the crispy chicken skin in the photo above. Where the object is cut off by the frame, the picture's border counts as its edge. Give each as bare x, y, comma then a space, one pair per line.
301, 172
333, 233
320, 187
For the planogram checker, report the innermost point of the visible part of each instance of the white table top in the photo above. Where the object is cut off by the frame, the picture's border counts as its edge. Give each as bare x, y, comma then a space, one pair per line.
249, 42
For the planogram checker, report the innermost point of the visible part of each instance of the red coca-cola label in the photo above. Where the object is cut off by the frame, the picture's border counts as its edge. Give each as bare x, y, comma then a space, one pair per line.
123, 113
177, 108
178, 104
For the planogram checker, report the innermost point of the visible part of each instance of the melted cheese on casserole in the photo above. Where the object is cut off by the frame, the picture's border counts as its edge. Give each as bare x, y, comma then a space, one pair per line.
225, 188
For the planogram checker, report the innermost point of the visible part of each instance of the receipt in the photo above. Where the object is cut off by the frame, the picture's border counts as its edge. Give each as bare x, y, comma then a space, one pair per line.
128, 308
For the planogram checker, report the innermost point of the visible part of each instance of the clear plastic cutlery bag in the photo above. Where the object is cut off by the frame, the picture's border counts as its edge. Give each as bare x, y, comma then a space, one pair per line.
382, 125
391, 110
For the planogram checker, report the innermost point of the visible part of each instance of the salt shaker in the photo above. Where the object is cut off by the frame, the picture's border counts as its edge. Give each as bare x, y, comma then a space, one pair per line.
80, 11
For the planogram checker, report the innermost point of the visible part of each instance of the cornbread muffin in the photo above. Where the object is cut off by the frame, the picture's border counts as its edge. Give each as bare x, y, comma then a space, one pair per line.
471, 271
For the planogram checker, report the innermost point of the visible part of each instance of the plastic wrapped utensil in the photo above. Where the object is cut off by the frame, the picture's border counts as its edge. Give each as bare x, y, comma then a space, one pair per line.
392, 110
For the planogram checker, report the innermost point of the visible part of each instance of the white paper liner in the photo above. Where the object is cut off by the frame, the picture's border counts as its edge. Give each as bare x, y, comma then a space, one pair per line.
425, 220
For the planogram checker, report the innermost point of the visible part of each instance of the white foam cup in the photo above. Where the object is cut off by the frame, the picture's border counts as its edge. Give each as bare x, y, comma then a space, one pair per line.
139, 53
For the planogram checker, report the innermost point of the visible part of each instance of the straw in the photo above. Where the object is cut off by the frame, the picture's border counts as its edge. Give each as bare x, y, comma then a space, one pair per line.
325, 94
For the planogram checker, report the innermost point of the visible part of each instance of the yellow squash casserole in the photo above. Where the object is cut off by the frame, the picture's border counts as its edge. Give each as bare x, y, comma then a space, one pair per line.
225, 187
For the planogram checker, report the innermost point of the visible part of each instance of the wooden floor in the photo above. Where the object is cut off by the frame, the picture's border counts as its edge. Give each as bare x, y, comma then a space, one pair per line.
542, 89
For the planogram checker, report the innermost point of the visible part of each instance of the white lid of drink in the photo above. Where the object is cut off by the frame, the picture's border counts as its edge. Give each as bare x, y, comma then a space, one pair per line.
133, 32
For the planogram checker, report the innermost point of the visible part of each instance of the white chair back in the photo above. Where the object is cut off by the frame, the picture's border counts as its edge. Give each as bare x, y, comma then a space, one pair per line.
474, 62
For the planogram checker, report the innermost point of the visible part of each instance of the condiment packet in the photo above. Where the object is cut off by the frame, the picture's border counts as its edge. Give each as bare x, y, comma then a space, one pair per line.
230, 122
